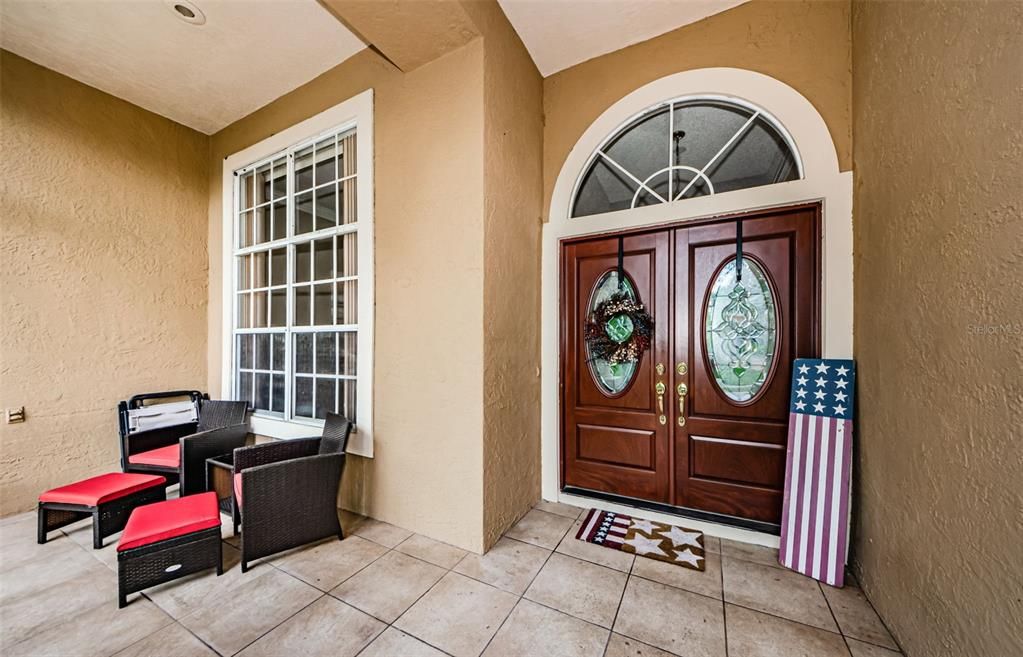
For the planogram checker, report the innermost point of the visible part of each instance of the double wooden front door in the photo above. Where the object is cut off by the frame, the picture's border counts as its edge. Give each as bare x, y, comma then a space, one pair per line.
700, 420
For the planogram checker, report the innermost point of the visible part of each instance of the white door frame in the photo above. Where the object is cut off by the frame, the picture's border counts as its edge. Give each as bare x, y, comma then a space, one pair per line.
822, 181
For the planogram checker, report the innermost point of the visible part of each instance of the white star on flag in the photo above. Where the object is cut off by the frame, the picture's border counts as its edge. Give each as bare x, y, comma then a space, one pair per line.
819, 408
801, 380
840, 396
644, 545
840, 409
680, 538
800, 405
821, 382
688, 557
803, 369
822, 368
819, 394
800, 393
645, 525
841, 383
842, 371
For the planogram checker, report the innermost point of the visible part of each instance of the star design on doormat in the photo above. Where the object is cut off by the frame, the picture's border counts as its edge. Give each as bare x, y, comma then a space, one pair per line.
680, 537
685, 556
644, 545
644, 525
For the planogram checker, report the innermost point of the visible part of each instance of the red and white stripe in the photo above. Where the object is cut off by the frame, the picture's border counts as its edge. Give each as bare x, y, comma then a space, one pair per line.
615, 533
815, 513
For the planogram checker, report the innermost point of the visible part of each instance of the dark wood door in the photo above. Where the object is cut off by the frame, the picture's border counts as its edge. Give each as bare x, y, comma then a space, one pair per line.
614, 439
721, 446
737, 347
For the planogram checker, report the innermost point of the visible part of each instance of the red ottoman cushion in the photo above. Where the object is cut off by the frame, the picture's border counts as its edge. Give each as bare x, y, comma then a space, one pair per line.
168, 457
97, 490
163, 520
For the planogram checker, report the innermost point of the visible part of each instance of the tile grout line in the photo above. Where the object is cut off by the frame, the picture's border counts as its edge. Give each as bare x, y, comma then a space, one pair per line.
142, 595
420, 597
362, 568
317, 599
414, 602
883, 623
630, 574
522, 595
845, 640
737, 604
271, 563
618, 609
724, 605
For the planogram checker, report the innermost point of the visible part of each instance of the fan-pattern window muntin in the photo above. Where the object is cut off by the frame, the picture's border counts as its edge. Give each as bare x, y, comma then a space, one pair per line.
296, 280
682, 149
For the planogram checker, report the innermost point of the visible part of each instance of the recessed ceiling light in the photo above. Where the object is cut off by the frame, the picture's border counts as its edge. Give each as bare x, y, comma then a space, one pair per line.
186, 11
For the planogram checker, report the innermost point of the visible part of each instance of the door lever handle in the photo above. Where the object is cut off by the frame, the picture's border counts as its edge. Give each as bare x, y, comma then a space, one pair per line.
683, 390
659, 388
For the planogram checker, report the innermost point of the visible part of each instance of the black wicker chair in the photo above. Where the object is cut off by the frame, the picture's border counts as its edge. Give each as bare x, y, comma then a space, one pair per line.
286, 491
179, 451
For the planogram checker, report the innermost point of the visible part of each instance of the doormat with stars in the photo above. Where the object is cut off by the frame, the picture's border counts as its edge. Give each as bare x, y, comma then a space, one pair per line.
654, 540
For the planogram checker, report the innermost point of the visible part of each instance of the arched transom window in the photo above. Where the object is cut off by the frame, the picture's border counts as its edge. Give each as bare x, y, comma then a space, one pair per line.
686, 148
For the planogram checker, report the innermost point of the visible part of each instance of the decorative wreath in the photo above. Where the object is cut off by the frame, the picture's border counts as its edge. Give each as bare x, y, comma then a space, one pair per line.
619, 330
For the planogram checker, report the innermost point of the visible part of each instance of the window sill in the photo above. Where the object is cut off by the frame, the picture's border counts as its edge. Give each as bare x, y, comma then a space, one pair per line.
279, 429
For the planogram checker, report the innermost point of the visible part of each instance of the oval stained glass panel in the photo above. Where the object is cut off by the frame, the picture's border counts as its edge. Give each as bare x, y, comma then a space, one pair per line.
611, 378
741, 332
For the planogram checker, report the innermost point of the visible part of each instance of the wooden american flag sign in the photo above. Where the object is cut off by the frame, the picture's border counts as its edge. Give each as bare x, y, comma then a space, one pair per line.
815, 512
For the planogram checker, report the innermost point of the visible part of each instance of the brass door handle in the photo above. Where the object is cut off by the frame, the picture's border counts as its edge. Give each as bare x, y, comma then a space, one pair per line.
683, 390
659, 388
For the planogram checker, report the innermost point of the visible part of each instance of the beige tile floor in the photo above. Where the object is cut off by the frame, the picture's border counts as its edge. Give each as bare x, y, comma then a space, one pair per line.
386, 592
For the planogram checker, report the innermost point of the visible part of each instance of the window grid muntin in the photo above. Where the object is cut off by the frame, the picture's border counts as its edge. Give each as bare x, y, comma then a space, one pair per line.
314, 375
344, 225
671, 104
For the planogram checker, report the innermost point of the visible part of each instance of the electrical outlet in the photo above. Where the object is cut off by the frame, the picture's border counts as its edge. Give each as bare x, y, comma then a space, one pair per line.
13, 415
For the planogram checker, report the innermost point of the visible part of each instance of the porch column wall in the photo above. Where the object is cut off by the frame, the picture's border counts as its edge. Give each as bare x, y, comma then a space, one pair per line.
426, 473
938, 157
512, 155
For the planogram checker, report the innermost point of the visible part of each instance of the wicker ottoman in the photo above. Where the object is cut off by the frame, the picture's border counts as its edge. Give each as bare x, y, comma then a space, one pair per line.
168, 540
108, 499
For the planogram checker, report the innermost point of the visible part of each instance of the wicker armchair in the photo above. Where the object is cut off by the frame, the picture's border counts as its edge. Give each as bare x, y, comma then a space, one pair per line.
286, 491
179, 451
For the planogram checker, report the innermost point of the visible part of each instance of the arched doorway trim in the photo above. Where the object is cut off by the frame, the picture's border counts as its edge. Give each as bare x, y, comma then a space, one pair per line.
822, 182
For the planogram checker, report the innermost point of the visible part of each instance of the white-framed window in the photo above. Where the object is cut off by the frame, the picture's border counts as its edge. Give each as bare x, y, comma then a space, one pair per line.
298, 261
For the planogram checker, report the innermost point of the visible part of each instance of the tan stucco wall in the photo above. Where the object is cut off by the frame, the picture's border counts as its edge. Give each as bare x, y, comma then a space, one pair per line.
804, 44
513, 144
426, 474
939, 322
457, 198
103, 275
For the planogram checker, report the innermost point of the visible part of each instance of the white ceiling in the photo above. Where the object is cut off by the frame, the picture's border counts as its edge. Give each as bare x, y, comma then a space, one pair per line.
206, 77
562, 33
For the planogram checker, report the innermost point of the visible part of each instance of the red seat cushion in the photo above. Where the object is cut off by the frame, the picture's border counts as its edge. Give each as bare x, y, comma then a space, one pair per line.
168, 457
163, 520
96, 490
238, 488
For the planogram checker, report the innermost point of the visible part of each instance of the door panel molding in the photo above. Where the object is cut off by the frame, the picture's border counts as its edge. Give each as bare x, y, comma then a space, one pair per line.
616, 462
728, 457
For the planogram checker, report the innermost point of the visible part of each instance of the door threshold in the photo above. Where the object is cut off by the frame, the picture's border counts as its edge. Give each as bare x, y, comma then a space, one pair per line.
711, 524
